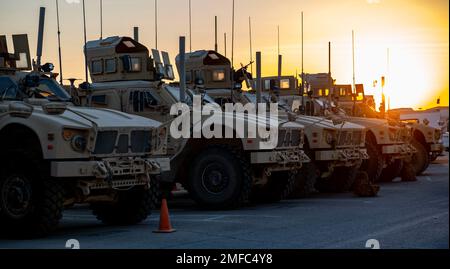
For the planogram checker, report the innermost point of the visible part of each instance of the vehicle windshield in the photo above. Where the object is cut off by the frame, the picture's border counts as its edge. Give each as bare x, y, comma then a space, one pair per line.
51, 90
175, 93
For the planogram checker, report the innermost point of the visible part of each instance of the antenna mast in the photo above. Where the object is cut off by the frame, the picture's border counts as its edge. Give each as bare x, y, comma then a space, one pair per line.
225, 43
101, 19
354, 79
85, 42
232, 38
251, 46
156, 24
190, 26
216, 47
303, 75
59, 45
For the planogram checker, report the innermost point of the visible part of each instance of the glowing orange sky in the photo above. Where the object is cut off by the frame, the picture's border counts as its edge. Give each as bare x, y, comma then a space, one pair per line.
415, 31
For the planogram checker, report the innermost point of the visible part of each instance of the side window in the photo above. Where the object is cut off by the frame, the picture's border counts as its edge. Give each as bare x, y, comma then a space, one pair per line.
110, 66
198, 75
189, 76
143, 99
267, 84
218, 75
8, 89
136, 64
99, 99
97, 67
285, 84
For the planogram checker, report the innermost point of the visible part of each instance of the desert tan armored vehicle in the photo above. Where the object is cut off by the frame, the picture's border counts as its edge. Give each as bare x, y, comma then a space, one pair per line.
337, 150
387, 142
425, 139
55, 155
218, 173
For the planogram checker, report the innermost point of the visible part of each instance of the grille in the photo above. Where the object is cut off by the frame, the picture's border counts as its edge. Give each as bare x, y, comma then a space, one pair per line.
349, 138
122, 145
140, 141
292, 138
106, 142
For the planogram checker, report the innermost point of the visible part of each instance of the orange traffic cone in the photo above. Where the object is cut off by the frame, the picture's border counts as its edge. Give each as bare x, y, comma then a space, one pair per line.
164, 219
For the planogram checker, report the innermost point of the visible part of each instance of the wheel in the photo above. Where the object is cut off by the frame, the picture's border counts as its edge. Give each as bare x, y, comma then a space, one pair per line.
434, 156
392, 171
30, 206
220, 178
408, 172
340, 181
374, 165
279, 187
130, 207
420, 160
305, 181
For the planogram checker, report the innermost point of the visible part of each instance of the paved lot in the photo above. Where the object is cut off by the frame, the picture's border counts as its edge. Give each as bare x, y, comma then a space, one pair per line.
404, 215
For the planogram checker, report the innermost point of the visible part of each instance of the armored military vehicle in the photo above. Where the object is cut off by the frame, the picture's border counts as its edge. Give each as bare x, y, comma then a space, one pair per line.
387, 141
337, 150
425, 139
55, 155
218, 173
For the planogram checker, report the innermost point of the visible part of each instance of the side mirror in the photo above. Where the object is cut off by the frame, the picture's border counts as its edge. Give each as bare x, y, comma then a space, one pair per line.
20, 110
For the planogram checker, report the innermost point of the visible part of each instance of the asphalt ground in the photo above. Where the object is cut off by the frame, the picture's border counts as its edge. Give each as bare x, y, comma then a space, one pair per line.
405, 215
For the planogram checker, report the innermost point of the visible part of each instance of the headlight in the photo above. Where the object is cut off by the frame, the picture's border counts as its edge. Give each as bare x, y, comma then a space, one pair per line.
78, 143
76, 137
69, 133
330, 137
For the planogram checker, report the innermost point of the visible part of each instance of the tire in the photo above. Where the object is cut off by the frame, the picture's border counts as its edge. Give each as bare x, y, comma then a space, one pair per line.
374, 165
220, 178
408, 173
131, 207
30, 205
340, 181
305, 181
420, 160
433, 157
279, 187
392, 171
363, 187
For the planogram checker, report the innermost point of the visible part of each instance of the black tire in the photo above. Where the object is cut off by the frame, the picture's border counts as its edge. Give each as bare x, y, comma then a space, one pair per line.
279, 187
220, 178
374, 165
131, 206
392, 171
408, 173
340, 181
420, 159
31, 206
305, 181
434, 156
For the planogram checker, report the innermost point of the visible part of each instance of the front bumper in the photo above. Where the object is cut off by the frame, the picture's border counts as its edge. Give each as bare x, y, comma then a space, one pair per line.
436, 147
280, 157
108, 168
341, 155
398, 151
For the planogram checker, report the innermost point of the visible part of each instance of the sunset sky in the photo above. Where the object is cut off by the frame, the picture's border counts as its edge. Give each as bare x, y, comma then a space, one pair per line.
415, 31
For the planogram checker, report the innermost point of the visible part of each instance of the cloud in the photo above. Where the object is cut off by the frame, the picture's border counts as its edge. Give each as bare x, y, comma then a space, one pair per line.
72, 1
373, 1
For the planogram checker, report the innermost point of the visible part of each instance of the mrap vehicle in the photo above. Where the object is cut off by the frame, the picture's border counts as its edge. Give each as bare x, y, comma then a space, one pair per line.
55, 155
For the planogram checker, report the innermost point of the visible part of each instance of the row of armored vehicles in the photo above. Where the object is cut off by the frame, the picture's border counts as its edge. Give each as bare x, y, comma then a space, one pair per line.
122, 141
